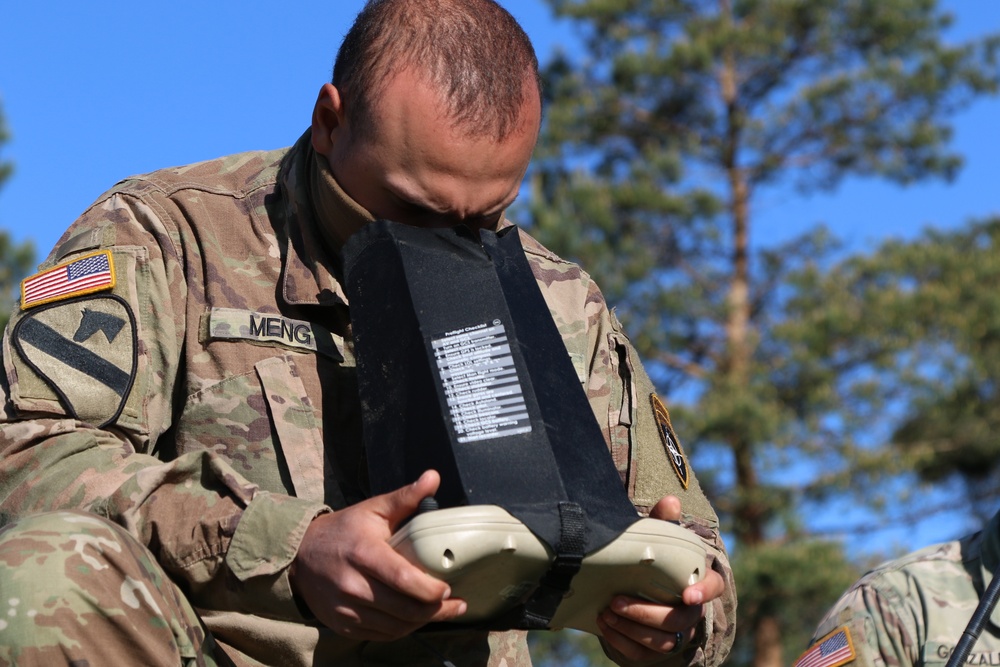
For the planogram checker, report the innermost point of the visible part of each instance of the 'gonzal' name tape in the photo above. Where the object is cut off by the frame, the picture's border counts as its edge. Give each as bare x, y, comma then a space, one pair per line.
232, 323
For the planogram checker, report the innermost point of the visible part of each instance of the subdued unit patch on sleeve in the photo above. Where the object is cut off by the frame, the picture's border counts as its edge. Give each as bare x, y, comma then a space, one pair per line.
85, 350
84, 275
670, 441
832, 650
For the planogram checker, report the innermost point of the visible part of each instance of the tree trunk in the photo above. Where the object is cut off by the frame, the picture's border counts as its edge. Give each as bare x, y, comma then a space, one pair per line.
751, 515
767, 643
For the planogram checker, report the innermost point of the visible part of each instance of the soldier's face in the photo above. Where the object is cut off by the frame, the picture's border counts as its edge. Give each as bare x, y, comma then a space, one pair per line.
417, 169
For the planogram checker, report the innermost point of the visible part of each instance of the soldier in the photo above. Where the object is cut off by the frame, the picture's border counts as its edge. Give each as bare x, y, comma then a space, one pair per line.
914, 609
181, 474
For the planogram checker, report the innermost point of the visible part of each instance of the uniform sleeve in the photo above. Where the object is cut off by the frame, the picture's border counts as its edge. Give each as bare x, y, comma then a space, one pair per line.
879, 621
651, 460
88, 403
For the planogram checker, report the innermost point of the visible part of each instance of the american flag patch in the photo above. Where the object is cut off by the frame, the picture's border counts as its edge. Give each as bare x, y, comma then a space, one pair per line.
91, 273
833, 650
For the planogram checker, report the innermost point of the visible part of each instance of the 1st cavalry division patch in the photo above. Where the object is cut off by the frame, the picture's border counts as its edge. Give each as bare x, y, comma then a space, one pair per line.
85, 350
85, 275
669, 439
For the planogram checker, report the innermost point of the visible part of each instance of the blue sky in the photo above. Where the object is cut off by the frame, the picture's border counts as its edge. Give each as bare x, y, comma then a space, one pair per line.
97, 91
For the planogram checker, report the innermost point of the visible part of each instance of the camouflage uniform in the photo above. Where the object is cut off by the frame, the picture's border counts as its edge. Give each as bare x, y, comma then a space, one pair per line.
207, 404
913, 610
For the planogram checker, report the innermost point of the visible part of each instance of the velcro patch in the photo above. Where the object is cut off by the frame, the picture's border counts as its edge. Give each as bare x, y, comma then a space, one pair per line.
669, 439
833, 650
235, 324
85, 350
85, 275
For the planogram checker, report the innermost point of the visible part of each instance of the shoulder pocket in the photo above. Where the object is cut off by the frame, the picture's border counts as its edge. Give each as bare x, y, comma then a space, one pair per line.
621, 408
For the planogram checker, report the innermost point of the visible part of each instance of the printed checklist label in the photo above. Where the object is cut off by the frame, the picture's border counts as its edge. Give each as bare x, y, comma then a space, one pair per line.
480, 382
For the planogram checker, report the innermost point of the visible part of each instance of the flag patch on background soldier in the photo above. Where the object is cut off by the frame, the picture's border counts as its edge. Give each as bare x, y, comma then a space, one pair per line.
833, 650
85, 350
669, 439
85, 275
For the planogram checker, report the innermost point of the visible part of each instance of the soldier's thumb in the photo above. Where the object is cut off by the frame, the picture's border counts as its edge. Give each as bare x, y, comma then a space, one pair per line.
402, 503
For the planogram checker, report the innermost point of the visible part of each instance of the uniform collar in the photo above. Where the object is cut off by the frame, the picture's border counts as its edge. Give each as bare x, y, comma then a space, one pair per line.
339, 215
320, 218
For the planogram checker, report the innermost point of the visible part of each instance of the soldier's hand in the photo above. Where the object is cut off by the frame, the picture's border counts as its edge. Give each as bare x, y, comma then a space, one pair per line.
637, 631
356, 584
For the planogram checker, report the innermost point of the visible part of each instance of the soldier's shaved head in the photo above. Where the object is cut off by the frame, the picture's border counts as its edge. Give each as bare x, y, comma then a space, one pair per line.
474, 51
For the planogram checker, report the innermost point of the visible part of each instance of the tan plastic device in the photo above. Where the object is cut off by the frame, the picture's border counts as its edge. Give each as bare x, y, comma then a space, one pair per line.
492, 561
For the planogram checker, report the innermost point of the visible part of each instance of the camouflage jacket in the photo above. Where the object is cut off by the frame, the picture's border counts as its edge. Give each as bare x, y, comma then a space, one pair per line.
913, 610
200, 390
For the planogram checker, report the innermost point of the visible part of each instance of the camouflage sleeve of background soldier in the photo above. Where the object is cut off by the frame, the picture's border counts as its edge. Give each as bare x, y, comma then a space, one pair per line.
210, 529
649, 457
877, 621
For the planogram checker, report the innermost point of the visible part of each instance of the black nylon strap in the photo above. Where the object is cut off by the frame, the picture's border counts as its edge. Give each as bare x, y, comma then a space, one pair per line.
537, 612
580, 452
542, 606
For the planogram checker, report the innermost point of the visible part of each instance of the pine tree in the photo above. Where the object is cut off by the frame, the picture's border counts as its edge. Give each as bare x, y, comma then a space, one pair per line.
929, 312
655, 146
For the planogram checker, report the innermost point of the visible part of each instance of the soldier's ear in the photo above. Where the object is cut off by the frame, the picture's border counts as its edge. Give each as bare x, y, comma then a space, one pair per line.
329, 122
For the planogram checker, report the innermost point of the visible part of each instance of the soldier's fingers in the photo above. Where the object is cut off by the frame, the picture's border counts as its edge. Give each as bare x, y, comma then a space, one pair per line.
667, 509
449, 610
709, 588
667, 618
635, 651
364, 608
385, 565
367, 623
659, 638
